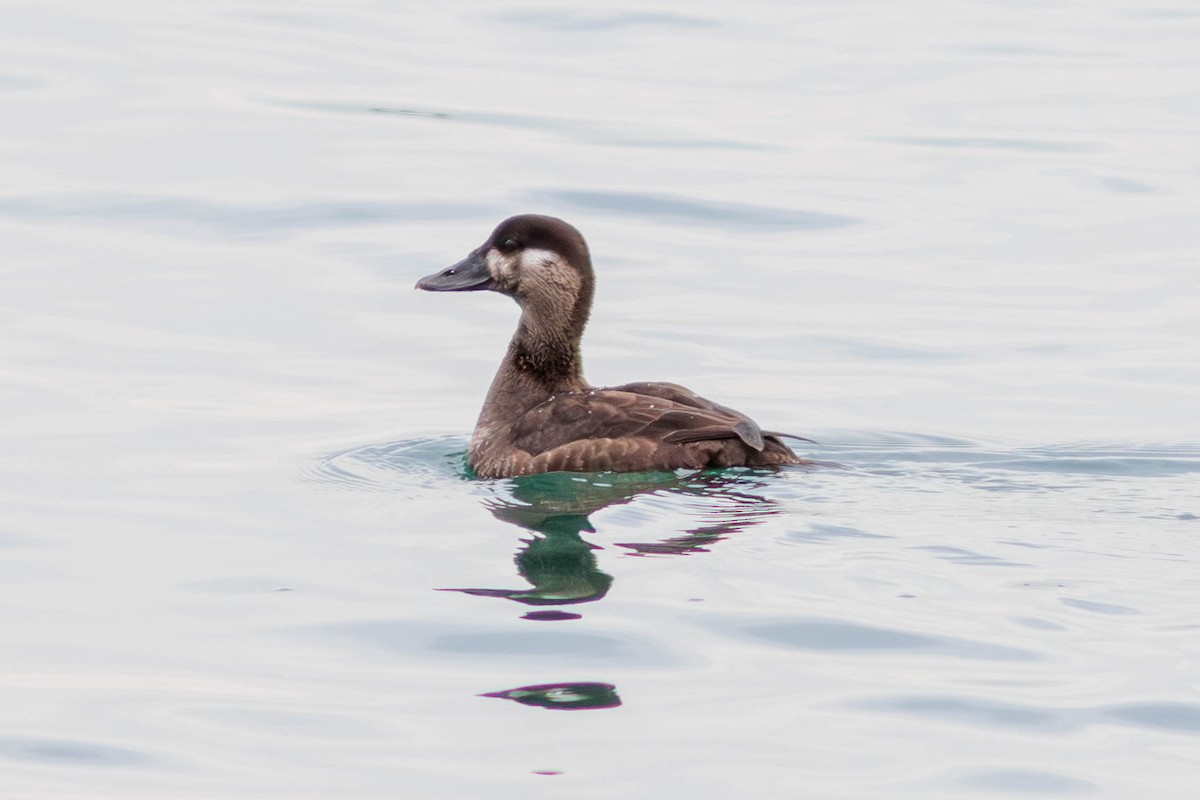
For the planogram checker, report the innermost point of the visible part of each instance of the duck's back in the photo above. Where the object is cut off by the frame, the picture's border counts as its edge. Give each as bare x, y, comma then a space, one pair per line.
634, 427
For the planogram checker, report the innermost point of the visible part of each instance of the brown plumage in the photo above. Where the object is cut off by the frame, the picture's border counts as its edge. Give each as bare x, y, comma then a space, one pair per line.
540, 414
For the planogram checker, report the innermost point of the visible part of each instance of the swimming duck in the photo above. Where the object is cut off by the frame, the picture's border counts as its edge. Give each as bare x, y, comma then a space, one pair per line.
540, 414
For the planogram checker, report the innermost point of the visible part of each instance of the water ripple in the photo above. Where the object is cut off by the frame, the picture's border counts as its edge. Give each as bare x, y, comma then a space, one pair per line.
408, 463
230, 218
1098, 608
1165, 717
673, 208
993, 143
580, 130
1141, 460
417, 639
839, 636
63, 752
1026, 781
564, 21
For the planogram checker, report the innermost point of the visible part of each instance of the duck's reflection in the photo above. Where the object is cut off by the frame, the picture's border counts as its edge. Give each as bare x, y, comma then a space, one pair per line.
563, 696
560, 565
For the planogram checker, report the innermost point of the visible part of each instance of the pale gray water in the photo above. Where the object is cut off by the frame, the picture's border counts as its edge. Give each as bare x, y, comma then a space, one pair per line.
957, 244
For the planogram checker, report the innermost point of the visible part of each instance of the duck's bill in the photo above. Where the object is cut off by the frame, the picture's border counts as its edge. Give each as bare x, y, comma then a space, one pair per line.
469, 275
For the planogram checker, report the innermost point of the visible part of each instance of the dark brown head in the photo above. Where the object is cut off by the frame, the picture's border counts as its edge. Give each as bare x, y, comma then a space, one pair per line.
541, 262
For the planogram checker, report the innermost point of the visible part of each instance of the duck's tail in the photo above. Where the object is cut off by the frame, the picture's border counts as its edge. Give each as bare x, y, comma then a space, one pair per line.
782, 435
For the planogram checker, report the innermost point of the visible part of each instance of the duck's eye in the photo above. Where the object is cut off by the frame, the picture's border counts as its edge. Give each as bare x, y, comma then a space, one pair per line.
508, 245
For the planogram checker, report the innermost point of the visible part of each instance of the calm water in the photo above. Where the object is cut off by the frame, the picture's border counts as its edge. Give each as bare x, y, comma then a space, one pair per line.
955, 244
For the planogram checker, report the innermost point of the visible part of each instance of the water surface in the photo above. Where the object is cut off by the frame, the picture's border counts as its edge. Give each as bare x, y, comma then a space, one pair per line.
954, 245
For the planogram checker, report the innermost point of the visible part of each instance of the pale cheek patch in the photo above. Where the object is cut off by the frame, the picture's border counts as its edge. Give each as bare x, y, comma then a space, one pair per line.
545, 268
502, 268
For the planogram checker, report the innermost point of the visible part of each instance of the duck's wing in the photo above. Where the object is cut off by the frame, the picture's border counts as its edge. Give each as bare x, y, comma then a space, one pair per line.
727, 423
685, 396
659, 413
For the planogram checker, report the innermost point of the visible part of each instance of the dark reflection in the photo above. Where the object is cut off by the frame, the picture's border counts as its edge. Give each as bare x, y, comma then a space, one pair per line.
560, 565
732, 511
563, 696
552, 615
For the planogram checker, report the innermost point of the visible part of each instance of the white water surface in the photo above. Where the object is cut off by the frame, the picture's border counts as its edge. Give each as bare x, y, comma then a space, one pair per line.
955, 243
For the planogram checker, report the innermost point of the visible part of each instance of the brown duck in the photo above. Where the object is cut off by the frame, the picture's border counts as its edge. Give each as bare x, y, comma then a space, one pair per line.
540, 415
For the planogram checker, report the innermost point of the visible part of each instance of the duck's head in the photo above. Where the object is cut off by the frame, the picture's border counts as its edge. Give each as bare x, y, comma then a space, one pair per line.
541, 262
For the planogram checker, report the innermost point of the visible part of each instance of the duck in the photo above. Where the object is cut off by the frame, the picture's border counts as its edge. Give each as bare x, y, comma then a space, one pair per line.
540, 414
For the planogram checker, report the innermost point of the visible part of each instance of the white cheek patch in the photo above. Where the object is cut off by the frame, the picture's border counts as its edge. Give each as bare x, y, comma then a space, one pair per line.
535, 260
535, 272
546, 268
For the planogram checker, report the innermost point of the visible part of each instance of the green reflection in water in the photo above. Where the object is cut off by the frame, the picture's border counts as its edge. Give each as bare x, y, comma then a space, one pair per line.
560, 565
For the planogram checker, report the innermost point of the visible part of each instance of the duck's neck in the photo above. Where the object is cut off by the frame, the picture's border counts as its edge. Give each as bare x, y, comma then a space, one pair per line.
545, 350
543, 360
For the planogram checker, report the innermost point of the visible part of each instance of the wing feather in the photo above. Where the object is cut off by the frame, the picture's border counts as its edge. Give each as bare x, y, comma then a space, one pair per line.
658, 412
